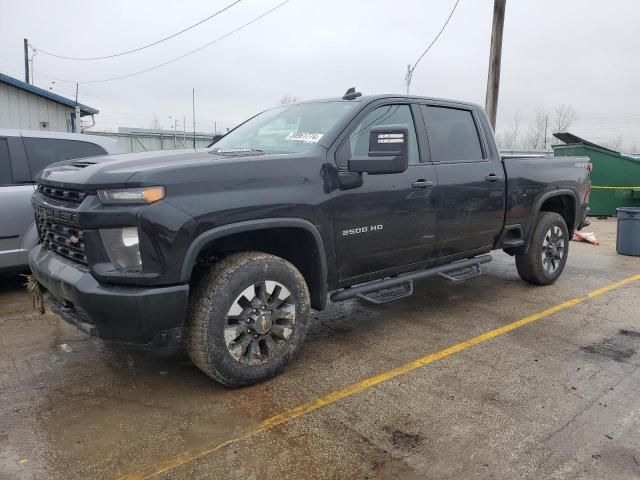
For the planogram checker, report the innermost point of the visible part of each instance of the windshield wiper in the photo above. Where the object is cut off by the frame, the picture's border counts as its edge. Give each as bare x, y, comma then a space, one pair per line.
223, 151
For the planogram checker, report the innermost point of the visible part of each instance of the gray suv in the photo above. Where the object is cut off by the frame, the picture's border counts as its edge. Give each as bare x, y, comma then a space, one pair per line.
23, 154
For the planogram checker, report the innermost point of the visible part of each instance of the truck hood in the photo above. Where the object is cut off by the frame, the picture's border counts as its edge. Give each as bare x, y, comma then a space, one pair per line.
135, 169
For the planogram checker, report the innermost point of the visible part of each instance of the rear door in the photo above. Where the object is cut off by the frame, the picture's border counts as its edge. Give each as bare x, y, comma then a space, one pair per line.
389, 221
471, 185
15, 198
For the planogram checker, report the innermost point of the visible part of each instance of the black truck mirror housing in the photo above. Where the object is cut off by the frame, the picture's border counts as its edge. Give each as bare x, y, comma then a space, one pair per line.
387, 151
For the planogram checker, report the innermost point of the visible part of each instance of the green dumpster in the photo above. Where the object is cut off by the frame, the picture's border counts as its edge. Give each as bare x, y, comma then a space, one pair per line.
615, 179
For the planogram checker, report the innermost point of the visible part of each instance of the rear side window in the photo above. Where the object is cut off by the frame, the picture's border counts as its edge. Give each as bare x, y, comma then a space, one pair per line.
5, 165
42, 152
452, 133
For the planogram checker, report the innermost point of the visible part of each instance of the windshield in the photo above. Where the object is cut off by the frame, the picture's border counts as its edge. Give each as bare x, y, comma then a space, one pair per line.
285, 129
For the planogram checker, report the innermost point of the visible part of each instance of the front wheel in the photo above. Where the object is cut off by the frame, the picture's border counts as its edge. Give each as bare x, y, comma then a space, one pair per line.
248, 315
546, 256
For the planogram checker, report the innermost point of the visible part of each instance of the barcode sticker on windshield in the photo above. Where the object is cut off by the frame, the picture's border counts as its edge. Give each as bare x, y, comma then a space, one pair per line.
304, 137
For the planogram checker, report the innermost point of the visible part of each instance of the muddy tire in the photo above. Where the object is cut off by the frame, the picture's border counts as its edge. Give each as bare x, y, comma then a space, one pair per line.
546, 257
247, 316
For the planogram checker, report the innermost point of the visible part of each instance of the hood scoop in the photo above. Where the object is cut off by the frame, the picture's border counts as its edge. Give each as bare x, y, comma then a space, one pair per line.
82, 163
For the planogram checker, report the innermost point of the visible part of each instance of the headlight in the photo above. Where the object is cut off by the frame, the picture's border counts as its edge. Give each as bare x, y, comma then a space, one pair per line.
123, 247
131, 196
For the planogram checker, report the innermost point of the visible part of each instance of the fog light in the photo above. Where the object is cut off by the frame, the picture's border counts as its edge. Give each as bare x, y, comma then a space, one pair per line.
123, 248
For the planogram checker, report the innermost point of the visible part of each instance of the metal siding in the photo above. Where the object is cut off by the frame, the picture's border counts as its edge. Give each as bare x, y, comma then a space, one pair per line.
33, 111
53, 118
4, 106
23, 110
14, 108
25, 117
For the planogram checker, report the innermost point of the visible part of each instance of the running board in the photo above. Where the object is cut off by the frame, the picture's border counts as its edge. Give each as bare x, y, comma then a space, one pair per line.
450, 268
389, 294
463, 274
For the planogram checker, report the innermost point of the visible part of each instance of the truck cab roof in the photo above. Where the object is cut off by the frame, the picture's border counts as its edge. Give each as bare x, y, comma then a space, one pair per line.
395, 96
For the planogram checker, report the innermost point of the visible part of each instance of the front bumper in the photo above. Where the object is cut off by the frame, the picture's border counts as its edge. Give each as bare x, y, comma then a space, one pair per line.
149, 317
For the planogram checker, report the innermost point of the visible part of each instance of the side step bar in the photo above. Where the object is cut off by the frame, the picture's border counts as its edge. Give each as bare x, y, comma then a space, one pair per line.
360, 290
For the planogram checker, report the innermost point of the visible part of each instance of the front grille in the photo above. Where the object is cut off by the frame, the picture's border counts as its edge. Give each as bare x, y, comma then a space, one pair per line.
62, 194
65, 240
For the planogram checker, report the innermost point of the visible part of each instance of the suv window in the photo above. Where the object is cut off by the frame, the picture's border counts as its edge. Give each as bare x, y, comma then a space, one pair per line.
452, 133
386, 115
5, 165
41, 152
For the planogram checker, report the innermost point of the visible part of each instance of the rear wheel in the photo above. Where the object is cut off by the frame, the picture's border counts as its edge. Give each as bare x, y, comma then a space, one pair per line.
247, 317
546, 256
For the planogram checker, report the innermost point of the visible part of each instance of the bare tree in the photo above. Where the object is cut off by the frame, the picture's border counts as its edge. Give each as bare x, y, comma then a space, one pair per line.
286, 98
535, 139
563, 117
511, 135
155, 123
614, 143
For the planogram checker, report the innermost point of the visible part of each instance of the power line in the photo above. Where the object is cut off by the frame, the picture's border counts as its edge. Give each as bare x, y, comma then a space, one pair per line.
144, 46
410, 70
184, 55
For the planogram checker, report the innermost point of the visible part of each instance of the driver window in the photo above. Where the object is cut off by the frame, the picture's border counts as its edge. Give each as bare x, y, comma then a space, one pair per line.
386, 115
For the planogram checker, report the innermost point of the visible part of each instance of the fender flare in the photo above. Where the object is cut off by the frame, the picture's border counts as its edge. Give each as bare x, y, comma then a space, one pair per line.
209, 236
543, 198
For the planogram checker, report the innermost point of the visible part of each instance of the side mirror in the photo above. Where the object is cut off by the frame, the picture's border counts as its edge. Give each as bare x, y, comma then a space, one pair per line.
387, 151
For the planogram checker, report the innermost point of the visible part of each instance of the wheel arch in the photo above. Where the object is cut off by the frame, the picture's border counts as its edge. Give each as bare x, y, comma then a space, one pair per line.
305, 251
561, 201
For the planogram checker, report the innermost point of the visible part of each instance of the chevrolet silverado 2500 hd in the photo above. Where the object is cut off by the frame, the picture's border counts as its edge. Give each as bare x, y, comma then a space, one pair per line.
225, 251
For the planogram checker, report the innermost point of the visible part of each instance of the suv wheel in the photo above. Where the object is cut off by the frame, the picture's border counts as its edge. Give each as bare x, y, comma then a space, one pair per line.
248, 315
546, 257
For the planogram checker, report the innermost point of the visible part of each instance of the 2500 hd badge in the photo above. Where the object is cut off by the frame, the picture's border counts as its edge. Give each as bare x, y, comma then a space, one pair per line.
356, 231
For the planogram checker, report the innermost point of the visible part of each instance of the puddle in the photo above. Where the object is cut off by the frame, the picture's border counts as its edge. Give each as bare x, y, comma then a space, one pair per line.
619, 348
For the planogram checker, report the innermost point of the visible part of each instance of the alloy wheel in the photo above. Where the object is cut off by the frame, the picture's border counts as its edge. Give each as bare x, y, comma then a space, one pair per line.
260, 322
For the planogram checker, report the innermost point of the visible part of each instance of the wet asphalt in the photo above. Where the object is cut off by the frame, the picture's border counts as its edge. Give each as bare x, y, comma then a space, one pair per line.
556, 399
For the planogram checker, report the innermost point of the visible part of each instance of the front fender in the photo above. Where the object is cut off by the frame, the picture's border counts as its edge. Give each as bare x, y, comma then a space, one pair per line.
206, 238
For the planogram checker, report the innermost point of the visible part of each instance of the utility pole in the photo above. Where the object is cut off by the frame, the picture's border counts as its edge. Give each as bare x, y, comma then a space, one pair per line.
77, 110
175, 138
407, 78
184, 131
26, 60
193, 99
493, 79
546, 122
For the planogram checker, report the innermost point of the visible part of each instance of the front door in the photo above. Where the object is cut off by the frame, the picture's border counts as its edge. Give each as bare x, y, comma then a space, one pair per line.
389, 221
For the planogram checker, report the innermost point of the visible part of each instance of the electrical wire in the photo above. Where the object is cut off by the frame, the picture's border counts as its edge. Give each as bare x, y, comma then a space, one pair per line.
228, 34
410, 73
144, 46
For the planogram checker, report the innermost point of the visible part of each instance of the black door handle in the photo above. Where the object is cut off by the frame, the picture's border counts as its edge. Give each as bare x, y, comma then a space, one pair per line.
491, 178
422, 183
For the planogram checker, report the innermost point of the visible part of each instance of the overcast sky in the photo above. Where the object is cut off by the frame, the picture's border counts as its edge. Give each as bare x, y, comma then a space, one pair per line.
579, 52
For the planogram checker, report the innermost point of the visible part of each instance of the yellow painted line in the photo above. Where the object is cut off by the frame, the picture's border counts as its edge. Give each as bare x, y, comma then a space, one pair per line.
295, 412
615, 188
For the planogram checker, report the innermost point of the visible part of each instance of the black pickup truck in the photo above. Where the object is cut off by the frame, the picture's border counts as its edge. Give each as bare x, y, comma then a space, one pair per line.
225, 251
